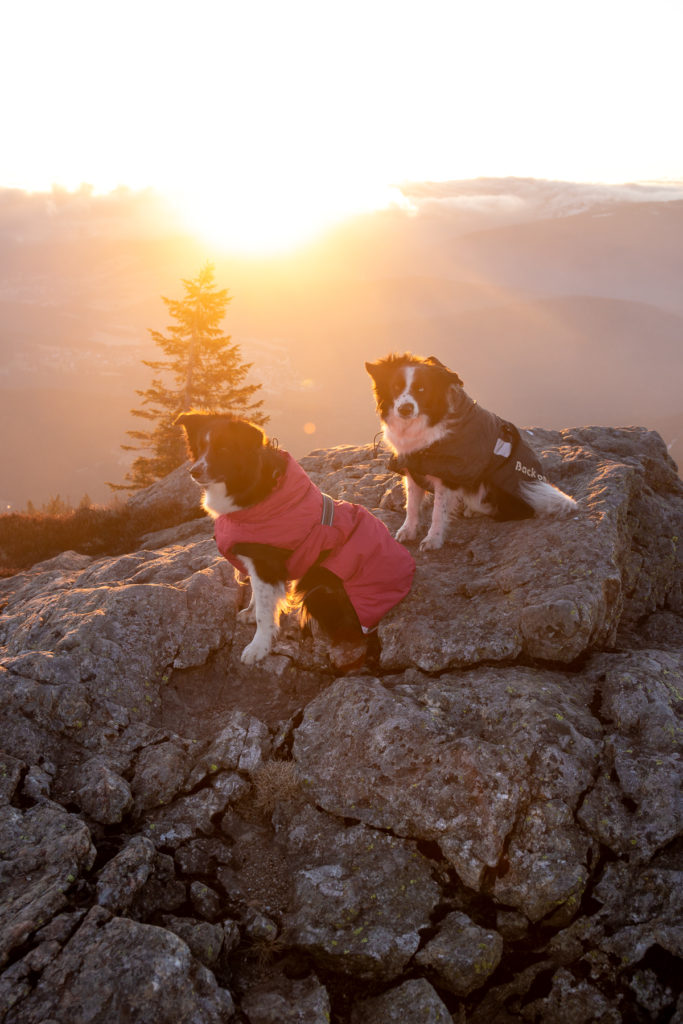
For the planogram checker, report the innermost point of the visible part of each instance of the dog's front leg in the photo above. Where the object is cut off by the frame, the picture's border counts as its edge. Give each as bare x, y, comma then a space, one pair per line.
414, 496
248, 614
443, 500
267, 599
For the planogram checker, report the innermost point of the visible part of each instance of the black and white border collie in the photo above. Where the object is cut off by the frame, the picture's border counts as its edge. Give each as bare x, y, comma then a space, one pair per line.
443, 441
333, 561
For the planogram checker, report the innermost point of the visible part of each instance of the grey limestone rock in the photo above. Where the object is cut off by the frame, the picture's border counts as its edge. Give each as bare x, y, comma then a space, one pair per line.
43, 851
359, 899
117, 969
460, 760
413, 1002
121, 879
283, 1000
462, 954
102, 794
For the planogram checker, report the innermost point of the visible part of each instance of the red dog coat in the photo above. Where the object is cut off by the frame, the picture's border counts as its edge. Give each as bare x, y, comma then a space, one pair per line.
377, 571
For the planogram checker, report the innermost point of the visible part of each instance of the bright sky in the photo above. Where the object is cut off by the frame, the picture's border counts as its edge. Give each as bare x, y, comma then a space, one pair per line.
268, 119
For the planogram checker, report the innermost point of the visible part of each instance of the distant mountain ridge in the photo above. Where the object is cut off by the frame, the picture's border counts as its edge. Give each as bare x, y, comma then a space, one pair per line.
608, 252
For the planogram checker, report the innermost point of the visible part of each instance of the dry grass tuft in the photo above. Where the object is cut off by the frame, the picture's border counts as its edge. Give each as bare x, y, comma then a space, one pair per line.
275, 782
27, 538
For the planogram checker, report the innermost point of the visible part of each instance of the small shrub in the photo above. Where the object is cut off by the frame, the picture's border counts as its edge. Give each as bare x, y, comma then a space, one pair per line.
28, 538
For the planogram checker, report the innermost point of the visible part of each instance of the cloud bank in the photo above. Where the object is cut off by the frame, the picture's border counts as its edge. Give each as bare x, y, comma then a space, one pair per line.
512, 200
463, 205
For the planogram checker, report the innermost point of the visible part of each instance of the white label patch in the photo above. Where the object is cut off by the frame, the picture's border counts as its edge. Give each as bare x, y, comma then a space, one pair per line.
502, 448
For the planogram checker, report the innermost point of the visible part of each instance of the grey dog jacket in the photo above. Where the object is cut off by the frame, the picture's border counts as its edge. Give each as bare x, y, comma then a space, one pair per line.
478, 447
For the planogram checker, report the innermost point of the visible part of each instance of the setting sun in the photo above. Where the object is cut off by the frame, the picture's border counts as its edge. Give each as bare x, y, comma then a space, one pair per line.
268, 123
257, 217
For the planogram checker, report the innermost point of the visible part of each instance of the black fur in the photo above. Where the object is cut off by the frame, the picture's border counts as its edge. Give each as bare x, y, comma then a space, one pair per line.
319, 594
323, 598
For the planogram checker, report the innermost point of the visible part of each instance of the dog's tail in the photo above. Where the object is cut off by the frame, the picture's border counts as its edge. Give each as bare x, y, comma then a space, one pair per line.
546, 499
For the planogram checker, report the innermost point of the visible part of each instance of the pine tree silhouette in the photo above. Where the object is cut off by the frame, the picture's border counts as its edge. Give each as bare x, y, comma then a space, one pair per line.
206, 371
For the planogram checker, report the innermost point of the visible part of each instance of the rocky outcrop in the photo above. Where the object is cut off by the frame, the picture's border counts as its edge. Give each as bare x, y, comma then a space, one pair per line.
482, 824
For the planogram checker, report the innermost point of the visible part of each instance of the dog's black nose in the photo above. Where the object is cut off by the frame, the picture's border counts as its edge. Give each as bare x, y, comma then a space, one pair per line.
405, 410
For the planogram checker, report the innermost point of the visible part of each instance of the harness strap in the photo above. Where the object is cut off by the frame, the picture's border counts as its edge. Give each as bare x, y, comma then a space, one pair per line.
303, 556
328, 511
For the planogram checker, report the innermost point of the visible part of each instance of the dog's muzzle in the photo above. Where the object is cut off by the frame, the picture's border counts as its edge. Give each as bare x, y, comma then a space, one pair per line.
406, 409
199, 472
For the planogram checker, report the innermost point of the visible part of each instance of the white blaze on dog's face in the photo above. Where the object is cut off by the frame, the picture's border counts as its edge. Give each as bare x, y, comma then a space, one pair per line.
414, 404
199, 470
207, 472
406, 423
405, 404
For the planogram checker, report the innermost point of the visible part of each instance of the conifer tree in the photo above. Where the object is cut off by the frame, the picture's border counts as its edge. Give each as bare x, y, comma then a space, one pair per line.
206, 372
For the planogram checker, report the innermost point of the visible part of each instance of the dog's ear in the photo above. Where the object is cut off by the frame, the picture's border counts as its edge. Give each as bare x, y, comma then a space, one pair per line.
191, 422
375, 369
380, 371
452, 375
250, 436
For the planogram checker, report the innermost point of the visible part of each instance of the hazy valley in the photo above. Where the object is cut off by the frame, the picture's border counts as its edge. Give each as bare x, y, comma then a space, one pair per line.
557, 307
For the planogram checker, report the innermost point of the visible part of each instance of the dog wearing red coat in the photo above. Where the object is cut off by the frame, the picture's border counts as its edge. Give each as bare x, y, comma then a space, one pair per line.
333, 560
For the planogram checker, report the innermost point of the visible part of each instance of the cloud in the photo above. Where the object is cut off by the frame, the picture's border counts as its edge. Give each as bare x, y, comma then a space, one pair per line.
511, 200
62, 215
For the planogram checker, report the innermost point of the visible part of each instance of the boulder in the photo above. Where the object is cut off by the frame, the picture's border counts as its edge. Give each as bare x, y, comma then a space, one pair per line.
282, 1000
124, 875
43, 851
117, 969
360, 897
102, 793
462, 954
462, 760
413, 1002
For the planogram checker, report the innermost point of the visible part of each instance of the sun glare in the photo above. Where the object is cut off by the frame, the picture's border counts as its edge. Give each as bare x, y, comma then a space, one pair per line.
264, 218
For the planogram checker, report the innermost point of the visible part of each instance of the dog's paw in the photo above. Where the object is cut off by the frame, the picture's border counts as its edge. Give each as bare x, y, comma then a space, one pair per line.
406, 532
431, 543
255, 651
246, 615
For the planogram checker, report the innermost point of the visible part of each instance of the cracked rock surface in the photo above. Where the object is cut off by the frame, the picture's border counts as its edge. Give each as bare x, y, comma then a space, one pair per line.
482, 824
